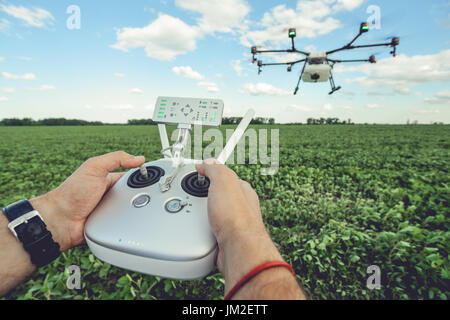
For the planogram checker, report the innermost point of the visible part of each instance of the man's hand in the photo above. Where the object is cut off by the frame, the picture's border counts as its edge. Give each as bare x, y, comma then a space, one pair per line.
235, 217
66, 208
64, 211
232, 203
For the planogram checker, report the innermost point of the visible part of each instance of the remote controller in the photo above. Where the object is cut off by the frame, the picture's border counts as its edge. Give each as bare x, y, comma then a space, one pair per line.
155, 220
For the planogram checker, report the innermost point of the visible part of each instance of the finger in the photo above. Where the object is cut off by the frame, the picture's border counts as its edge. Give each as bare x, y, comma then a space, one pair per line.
208, 167
113, 178
113, 161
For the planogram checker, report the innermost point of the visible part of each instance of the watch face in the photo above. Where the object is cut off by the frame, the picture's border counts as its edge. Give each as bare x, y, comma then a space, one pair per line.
32, 230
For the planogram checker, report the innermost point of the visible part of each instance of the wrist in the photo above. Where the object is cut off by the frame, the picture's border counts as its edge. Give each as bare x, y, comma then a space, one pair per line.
276, 283
243, 251
54, 220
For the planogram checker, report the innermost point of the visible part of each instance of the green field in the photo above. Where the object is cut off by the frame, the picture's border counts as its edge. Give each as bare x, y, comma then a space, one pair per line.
345, 198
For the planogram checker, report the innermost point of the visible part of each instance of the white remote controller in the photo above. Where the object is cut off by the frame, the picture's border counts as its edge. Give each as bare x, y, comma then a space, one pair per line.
158, 223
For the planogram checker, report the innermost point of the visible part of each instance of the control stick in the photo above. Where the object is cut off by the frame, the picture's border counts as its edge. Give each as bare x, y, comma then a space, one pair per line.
144, 172
201, 179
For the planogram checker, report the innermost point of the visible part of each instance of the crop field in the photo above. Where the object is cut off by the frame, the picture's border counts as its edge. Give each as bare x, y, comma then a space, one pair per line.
345, 198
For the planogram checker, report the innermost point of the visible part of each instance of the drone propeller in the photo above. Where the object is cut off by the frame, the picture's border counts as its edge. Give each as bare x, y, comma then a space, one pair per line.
254, 51
260, 63
395, 41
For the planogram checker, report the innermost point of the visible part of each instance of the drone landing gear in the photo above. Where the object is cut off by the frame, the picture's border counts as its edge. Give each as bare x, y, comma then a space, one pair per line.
299, 79
333, 86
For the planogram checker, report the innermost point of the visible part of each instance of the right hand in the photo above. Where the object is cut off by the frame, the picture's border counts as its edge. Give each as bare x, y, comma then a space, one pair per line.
236, 221
235, 218
233, 206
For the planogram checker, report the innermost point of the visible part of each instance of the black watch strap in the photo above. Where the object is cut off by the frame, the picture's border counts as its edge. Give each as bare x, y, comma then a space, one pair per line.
18, 209
33, 234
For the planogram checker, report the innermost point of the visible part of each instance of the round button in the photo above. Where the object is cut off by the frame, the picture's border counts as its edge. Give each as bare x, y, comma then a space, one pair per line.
141, 201
175, 205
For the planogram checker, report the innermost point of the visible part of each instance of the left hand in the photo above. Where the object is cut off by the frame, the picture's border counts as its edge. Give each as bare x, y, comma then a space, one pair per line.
66, 209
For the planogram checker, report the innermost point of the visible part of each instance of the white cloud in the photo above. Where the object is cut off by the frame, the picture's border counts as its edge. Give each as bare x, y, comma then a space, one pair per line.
136, 91
163, 39
25, 58
236, 64
210, 86
441, 97
44, 87
187, 72
2, 59
4, 26
328, 107
403, 72
8, 90
347, 4
217, 15
427, 111
120, 107
119, 75
311, 48
373, 106
300, 108
35, 17
3, 99
310, 18
168, 36
88, 106
262, 88
27, 76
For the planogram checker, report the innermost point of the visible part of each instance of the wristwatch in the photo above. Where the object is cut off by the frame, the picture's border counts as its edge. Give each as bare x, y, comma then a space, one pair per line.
27, 225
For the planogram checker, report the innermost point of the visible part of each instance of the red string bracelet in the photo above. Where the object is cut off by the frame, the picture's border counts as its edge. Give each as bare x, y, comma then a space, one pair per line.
256, 271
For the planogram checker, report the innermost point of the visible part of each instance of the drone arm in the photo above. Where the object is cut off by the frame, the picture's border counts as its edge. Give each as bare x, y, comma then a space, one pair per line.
354, 39
274, 64
341, 61
350, 47
273, 51
373, 45
283, 63
347, 46
283, 51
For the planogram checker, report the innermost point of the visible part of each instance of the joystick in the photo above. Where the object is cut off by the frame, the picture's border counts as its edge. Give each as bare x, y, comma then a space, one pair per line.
145, 177
194, 185
155, 219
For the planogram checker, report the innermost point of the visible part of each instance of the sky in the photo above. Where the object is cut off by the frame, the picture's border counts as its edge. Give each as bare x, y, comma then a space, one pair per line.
110, 60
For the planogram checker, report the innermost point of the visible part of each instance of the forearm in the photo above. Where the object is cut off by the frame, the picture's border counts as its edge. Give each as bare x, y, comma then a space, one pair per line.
15, 262
246, 249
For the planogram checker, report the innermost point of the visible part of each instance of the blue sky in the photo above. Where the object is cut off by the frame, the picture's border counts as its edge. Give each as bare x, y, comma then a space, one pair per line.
127, 53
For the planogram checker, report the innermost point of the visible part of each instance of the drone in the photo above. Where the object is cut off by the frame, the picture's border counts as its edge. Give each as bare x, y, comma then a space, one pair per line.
318, 66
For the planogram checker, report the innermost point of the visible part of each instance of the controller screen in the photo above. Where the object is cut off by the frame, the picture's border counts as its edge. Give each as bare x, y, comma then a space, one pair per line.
205, 112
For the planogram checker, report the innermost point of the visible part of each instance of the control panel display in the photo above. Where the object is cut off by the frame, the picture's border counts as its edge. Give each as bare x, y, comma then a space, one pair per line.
205, 112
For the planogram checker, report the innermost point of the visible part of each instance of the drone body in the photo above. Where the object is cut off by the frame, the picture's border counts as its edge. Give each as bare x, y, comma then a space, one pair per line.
318, 67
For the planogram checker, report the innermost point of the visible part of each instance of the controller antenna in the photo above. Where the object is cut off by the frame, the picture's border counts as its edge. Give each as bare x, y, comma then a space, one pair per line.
144, 172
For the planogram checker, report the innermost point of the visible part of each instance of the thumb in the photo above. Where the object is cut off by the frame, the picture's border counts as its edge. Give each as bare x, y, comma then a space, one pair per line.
207, 167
